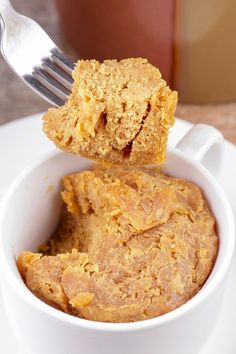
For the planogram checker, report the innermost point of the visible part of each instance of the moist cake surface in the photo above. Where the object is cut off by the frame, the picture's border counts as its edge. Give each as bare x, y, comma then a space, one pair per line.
117, 113
131, 244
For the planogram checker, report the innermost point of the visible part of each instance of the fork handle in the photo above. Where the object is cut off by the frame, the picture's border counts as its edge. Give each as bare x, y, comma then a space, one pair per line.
6, 10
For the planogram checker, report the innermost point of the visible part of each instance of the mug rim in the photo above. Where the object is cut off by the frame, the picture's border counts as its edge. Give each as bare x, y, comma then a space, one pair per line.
208, 287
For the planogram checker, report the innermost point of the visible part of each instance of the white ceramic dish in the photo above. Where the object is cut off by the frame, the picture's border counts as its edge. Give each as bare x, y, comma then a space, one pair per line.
178, 131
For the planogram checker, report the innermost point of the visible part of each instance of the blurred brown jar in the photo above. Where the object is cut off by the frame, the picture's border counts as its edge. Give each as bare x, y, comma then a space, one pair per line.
107, 29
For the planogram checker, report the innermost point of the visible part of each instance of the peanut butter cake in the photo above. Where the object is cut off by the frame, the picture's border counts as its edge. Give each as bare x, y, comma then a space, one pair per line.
131, 244
117, 113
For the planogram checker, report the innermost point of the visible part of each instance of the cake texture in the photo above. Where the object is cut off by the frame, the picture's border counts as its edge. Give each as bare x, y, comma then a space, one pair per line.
131, 244
119, 112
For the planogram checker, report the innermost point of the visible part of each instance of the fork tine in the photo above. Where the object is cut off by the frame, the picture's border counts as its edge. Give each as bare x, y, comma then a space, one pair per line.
52, 79
51, 84
62, 61
35, 58
57, 73
43, 91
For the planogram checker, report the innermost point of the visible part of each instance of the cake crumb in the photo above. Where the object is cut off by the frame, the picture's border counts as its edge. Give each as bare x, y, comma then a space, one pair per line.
119, 112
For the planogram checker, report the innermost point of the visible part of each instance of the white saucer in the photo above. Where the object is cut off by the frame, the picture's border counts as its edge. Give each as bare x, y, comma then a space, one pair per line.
22, 141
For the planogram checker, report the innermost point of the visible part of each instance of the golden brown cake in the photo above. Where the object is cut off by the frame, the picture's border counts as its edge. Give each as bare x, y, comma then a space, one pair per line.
131, 244
117, 113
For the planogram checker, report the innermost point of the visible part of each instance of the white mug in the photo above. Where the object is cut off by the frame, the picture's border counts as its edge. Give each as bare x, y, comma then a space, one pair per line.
29, 214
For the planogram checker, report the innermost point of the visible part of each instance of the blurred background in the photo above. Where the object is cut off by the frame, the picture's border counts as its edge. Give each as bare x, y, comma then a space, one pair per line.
192, 42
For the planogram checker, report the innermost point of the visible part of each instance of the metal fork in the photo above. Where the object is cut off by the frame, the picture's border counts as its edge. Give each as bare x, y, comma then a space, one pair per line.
34, 56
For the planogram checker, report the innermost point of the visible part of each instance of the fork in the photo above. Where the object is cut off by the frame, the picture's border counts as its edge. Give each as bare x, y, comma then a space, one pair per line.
34, 56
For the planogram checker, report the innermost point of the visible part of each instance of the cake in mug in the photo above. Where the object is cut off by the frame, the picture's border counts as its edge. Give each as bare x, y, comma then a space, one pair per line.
131, 244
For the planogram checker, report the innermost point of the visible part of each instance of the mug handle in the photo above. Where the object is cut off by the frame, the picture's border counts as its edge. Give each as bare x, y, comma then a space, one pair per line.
205, 144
